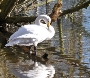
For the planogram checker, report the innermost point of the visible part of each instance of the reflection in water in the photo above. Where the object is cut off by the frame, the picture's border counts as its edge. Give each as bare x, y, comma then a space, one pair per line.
86, 37
60, 35
31, 69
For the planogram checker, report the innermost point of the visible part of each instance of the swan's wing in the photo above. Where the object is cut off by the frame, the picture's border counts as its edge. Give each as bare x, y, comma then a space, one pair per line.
26, 29
27, 35
19, 32
30, 31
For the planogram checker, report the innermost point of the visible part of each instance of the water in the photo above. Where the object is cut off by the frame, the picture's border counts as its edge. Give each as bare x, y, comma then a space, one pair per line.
68, 51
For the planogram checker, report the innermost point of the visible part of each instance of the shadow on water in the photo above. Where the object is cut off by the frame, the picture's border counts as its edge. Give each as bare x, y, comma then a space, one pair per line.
68, 51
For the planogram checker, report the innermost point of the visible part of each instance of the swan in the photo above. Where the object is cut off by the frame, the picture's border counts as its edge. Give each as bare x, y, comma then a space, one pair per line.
32, 34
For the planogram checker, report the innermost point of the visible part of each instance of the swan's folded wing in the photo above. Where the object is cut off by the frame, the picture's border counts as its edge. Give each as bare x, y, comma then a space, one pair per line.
25, 31
27, 40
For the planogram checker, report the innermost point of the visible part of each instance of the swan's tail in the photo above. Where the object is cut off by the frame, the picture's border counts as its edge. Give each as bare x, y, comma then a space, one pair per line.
9, 44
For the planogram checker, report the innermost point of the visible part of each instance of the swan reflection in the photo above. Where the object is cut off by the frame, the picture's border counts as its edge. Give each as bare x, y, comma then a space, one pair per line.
31, 69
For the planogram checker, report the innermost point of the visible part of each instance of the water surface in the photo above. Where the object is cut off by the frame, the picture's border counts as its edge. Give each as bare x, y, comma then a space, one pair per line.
68, 51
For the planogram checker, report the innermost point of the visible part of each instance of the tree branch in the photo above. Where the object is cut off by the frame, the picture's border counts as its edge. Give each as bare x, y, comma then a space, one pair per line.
54, 15
77, 8
19, 19
6, 7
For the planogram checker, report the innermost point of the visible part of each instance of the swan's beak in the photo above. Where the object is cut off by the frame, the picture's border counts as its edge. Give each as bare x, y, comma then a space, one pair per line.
48, 24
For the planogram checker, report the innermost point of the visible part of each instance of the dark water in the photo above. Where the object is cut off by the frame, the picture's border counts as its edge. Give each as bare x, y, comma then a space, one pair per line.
68, 51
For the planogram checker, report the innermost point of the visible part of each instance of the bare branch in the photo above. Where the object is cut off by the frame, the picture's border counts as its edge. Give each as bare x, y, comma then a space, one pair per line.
76, 8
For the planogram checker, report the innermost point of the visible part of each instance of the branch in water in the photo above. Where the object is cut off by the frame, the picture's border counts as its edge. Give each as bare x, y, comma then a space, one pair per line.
76, 8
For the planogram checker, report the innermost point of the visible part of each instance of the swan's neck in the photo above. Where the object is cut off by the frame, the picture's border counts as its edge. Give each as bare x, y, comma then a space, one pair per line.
51, 32
38, 21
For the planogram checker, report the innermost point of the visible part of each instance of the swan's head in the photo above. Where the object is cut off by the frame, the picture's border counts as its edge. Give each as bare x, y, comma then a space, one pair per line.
45, 18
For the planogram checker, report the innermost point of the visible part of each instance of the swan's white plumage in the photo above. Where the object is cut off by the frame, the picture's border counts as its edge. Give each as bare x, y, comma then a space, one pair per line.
32, 34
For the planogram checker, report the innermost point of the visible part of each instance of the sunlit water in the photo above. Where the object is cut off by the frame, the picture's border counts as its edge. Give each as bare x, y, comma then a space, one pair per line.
68, 51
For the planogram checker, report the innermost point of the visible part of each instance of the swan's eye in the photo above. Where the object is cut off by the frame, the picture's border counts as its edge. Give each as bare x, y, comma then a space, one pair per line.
42, 21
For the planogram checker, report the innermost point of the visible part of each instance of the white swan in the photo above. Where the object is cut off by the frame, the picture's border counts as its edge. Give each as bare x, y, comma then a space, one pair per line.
33, 34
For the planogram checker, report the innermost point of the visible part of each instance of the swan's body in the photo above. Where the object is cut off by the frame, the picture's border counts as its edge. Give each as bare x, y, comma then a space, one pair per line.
28, 35
33, 34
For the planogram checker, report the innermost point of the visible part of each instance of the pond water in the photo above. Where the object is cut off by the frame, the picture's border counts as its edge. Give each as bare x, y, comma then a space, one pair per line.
68, 51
